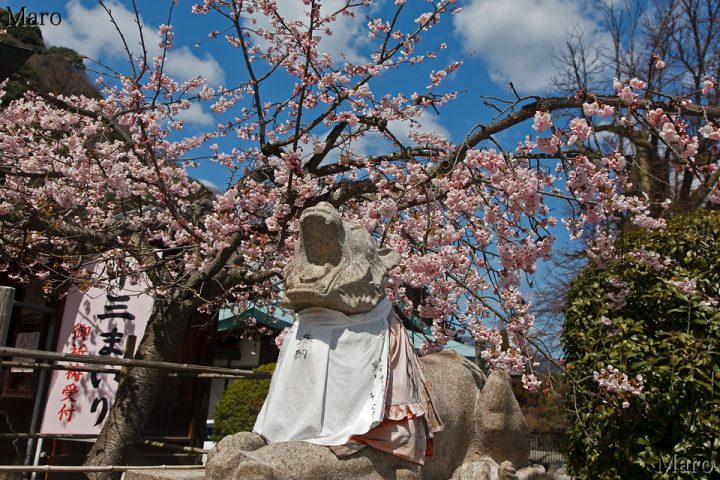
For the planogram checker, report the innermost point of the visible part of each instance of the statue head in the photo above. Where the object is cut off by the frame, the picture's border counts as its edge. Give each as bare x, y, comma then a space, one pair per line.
336, 264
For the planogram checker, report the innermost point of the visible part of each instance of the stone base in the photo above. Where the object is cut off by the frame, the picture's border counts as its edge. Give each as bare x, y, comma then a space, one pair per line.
165, 474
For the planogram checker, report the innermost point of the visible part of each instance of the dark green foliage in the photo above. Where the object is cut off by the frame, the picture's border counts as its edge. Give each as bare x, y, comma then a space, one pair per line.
671, 338
57, 70
238, 408
22, 36
73, 58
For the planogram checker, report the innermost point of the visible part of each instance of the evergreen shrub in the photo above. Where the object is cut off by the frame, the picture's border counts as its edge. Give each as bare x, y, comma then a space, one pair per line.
655, 323
240, 404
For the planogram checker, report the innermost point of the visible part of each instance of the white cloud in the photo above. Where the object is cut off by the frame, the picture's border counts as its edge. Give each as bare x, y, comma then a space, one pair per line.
196, 115
515, 37
207, 183
90, 32
349, 34
183, 64
373, 143
427, 122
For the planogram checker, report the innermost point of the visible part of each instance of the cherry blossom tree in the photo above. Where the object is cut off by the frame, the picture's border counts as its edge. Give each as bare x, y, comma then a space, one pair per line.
88, 180
673, 46
684, 38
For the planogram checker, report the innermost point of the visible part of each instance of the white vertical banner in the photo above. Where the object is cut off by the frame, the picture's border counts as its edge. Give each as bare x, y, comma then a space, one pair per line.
95, 322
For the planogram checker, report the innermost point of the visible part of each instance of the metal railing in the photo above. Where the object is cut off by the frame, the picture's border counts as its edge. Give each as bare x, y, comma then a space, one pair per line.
193, 370
46, 360
548, 448
87, 469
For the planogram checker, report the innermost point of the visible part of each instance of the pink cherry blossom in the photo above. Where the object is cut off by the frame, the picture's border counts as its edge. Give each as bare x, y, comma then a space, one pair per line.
628, 96
471, 222
167, 36
617, 384
580, 131
530, 382
606, 111
657, 117
687, 286
542, 122
591, 109
548, 145
710, 132
652, 259
637, 84
280, 339
617, 85
669, 133
707, 86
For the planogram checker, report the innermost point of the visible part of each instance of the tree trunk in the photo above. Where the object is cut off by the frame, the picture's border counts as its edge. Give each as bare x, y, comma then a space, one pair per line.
138, 389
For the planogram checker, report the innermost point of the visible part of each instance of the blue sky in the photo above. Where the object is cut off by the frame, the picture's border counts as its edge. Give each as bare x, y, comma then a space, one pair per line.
499, 41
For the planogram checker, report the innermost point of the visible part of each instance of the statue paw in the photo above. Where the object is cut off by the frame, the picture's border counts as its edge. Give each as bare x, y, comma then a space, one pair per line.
251, 470
247, 441
405, 474
487, 469
506, 471
476, 470
229, 452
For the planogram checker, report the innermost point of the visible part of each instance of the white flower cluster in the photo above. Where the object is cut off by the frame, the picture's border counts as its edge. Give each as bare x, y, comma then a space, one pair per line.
618, 383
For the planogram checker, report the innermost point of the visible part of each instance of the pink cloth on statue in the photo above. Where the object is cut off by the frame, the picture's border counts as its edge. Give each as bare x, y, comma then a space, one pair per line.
410, 418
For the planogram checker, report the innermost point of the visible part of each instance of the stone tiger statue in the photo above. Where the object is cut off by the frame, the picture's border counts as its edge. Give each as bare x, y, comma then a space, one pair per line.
485, 436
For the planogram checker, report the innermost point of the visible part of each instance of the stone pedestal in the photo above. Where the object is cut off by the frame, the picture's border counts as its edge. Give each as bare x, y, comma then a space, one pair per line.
165, 474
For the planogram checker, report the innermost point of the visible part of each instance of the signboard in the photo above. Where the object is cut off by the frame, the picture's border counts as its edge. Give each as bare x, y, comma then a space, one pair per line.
97, 322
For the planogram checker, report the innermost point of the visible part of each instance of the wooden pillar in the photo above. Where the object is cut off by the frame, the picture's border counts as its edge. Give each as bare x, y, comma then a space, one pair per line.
7, 295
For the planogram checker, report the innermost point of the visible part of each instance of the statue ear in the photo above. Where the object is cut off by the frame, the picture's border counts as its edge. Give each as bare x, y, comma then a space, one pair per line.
287, 269
389, 257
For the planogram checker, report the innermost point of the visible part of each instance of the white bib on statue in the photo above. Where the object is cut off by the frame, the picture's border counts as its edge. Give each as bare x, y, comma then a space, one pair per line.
331, 377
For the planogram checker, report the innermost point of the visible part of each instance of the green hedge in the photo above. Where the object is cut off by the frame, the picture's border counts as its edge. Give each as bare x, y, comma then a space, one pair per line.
238, 408
670, 337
